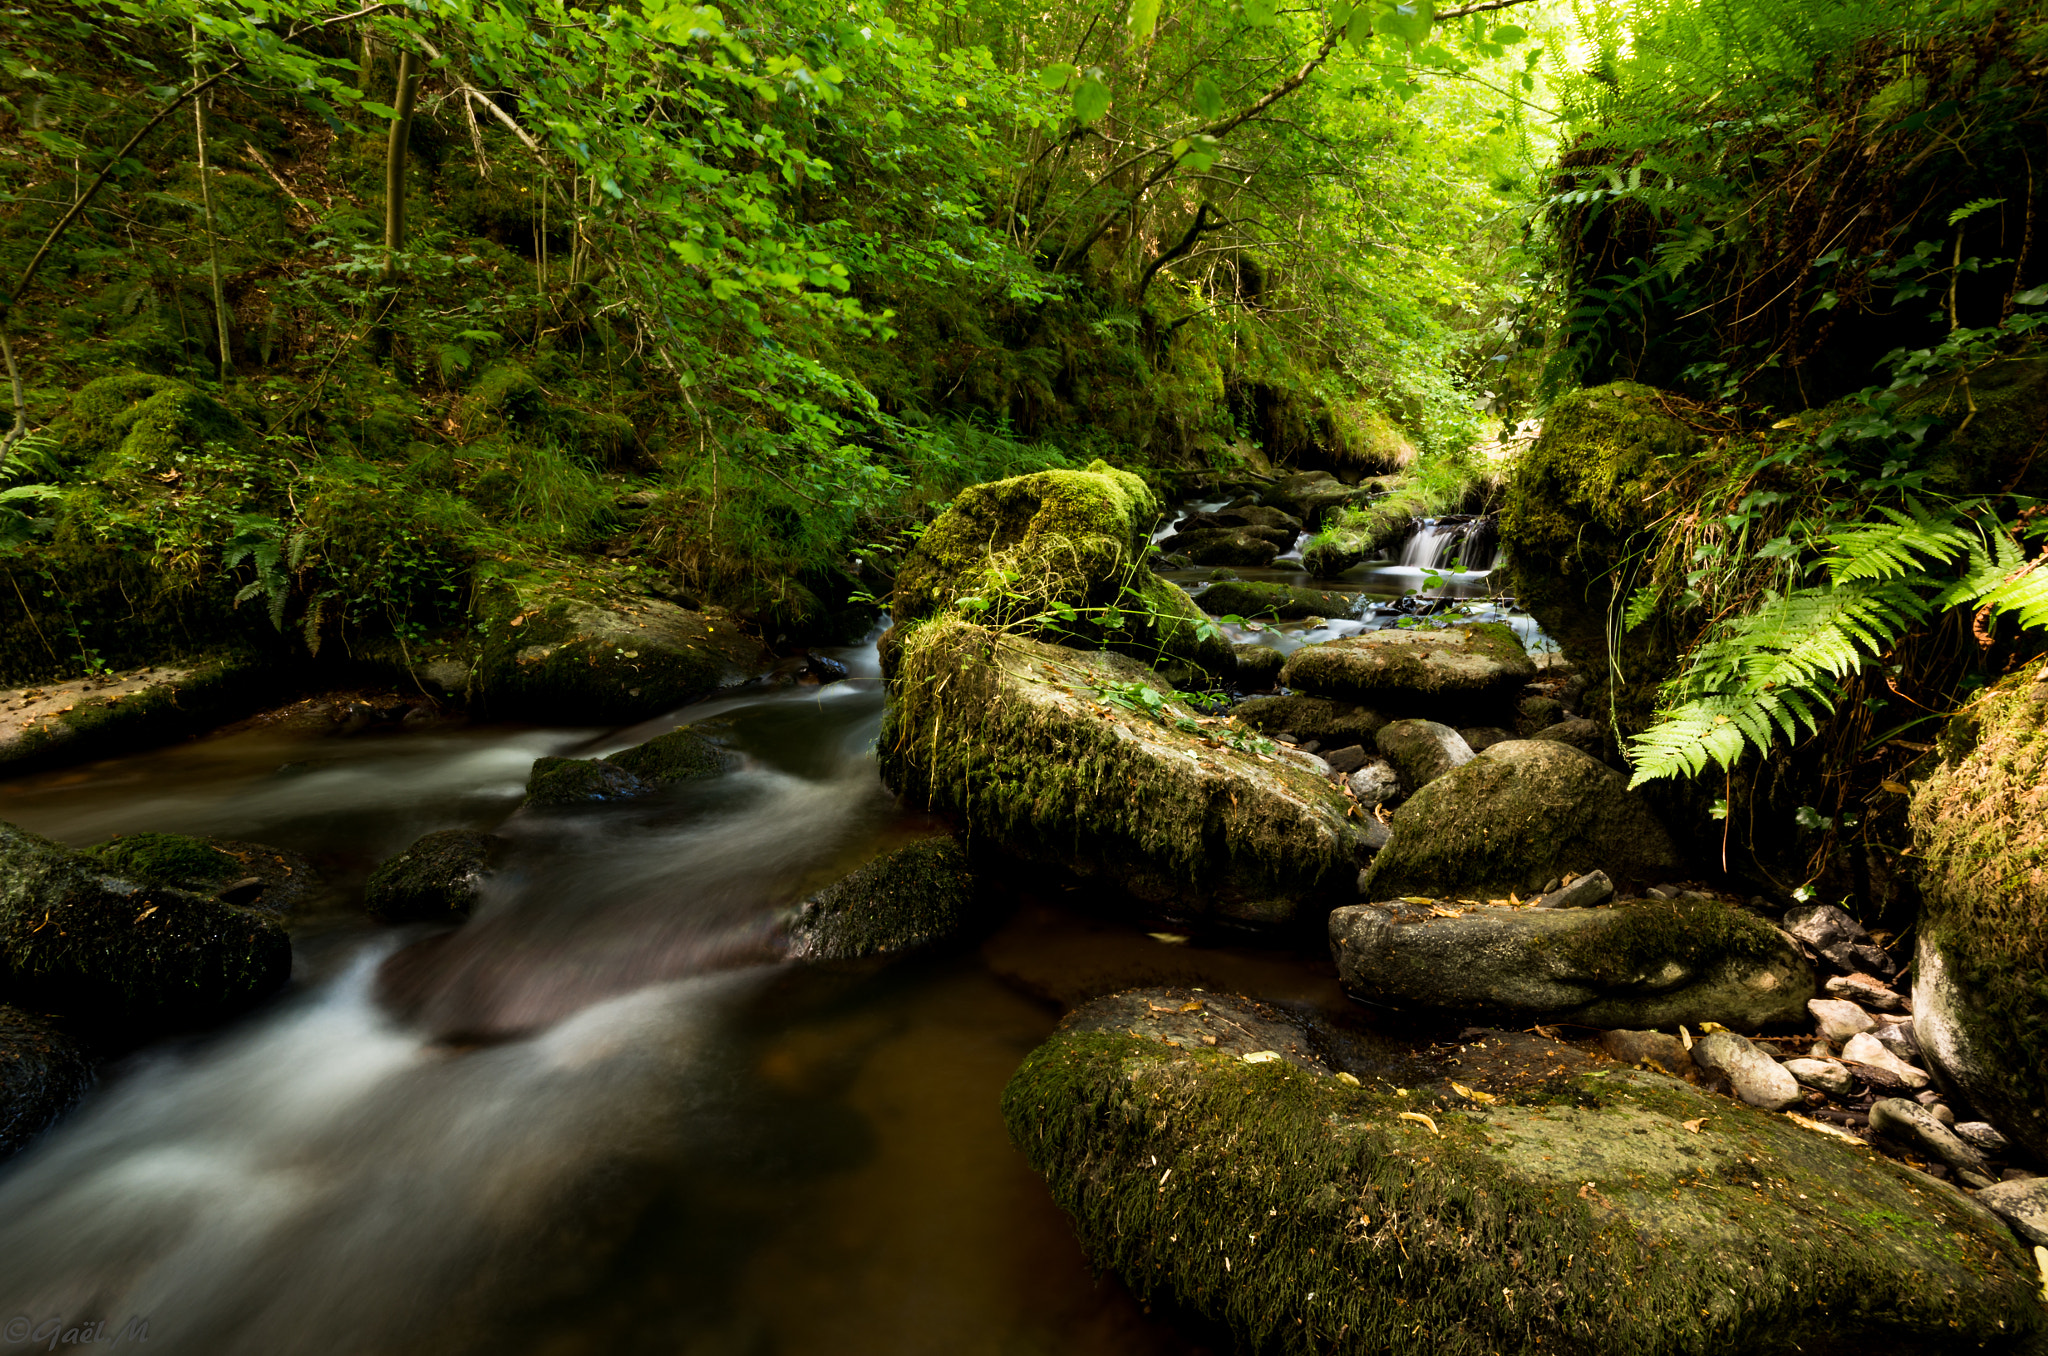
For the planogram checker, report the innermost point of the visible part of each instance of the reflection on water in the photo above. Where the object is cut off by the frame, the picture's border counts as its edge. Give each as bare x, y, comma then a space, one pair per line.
597, 1118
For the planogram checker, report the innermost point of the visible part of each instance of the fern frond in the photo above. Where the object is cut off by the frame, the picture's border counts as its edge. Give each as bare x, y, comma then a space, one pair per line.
1898, 548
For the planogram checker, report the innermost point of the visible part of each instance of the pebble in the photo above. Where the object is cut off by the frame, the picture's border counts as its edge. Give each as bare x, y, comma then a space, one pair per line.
1839, 1019
1825, 1074
1983, 1135
1757, 1078
2023, 1205
1898, 1038
1944, 1113
1867, 991
1648, 1047
1821, 926
1583, 893
1909, 1121
1867, 1049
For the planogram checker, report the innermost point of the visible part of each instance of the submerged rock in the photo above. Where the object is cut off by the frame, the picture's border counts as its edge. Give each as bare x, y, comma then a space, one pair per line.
915, 897
1061, 555
1053, 754
1519, 815
124, 955
1980, 823
1619, 1214
1436, 665
433, 881
1641, 965
43, 1073
678, 756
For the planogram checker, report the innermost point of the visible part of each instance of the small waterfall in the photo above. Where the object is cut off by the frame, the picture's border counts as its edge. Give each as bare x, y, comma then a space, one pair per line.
1467, 545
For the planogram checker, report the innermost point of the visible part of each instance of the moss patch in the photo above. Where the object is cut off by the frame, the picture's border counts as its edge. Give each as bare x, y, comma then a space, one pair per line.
1309, 1216
434, 880
915, 897
1242, 599
1336, 724
678, 756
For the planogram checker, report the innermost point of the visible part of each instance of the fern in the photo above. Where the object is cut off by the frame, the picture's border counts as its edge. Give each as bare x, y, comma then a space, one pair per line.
1777, 670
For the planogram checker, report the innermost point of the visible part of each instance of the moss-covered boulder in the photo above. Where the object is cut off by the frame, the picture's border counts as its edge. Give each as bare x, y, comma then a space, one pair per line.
247, 874
121, 954
1578, 505
1227, 545
75, 721
1056, 755
567, 658
1310, 1207
906, 900
1317, 496
1300, 717
43, 1073
1361, 530
1059, 555
1258, 666
1980, 984
1641, 966
1519, 815
435, 880
1239, 598
138, 421
1461, 670
678, 756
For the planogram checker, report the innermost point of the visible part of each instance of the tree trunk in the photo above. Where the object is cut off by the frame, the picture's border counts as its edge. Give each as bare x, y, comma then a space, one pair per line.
394, 196
220, 305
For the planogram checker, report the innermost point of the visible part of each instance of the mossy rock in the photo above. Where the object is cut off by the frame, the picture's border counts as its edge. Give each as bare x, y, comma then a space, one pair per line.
1285, 601
910, 899
1360, 529
1986, 437
1336, 724
250, 875
1980, 985
1049, 553
1258, 666
680, 755
125, 956
1578, 506
43, 1073
561, 657
136, 421
1598, 1215
1316, 497
170, 703
1641, 966
1469, 667
433, 881
1226, 546
1520, 814
1011, 735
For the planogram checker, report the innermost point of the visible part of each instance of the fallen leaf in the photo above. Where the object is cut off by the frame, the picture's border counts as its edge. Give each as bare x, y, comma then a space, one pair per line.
1473, 1094
1685, 1036
1348, 1080
1709, 1028
1694, 1126
1192, 1005
1820, 1129
1418, 1116
1589, 1192
144, 914
1262, 1056
1170, 938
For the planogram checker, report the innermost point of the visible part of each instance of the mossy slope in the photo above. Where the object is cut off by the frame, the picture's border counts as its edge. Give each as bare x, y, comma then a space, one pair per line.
1012, 735
1312, 1216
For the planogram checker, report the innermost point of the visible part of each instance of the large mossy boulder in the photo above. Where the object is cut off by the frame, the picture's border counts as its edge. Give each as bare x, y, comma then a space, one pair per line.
1332, 724
1466, 670
911, 899
1579, 506
573, 659
435, 880
138, 422
1980, 984
1641, 965
1060, 555
1057, 756
678, 756
43, 1073
251, 875
122, 955
1521, 814
1237, 597
1597, 1211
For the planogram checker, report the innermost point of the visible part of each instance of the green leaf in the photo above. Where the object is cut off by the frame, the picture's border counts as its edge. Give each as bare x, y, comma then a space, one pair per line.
1510, 33
1208, 98
1971, 209
1409, 22
1056, 76
1091, 99
1261, 13
1144, 17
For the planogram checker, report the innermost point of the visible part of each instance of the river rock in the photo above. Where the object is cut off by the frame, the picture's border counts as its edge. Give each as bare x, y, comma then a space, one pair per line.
1584, 735
678, 756
1432, 666
1226, 545
1897, 1037
1866, 1049
2021, 1204
1421, 751
1316, 496
1757, 1078
1584, 892
912, 898
1825, 1074
1060, 555
1258, 666
1615, 1214
1628, 965
1009, 734
1516, 817
1376, 783
1867, 991
1286, 601
1346, 760
1484, 737
1983, 1136
1859, 958
1980, 824
43, 1073
130, 957
1304, 717
555, 657
250, 875
436, 880
1911, 1123
1838, 1018
1666, 1053
1536, 713
1821, 926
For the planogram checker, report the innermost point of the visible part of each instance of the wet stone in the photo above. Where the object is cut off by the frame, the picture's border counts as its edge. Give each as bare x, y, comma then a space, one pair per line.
1757, 1078
1912, 1123
1839, 1019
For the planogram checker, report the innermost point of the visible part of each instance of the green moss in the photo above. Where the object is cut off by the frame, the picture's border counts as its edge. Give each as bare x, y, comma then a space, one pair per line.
171, 858
434, 880
1241, 599
915, 897
579, 781
1644, 936
679, 755
1309, 1217
1423, 667
136, 423
1576, 521
1335, 724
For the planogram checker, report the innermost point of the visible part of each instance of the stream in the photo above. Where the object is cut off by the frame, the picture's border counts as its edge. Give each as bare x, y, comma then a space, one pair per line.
602, 1116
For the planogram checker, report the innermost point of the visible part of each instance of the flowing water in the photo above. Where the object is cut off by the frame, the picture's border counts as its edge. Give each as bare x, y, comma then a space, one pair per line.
602, 1116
